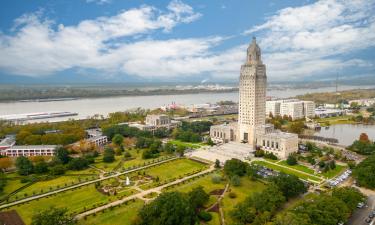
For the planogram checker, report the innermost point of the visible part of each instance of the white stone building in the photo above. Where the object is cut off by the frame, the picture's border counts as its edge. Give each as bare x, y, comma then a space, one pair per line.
159, 120
294, 108
252, 94
252, 128
29, 150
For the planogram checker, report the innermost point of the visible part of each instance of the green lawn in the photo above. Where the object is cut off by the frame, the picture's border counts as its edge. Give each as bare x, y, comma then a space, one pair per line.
287, 171
107, 166
137, 159
46, 186
120, 215
215, 219
298, 167
186, 144
175, 169
205, 182
74, 200
246, 189
12, 185
335, 120
334, 172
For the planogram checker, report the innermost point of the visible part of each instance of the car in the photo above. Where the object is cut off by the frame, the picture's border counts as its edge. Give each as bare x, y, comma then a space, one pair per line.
371, 216
360, 205
368, 220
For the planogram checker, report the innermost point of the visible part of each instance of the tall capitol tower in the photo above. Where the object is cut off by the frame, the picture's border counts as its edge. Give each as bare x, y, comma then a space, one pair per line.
252, 91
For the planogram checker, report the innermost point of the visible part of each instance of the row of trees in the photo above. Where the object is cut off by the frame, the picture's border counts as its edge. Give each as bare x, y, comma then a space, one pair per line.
363, 145
364, 172
173, 208
324, 209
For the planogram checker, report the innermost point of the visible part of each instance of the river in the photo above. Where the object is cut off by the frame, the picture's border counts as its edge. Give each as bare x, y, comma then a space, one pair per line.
346, 134
86, 107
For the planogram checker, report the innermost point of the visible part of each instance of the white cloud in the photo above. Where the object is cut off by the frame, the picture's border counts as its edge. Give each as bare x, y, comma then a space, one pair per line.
296, 42
313, 38
38, 48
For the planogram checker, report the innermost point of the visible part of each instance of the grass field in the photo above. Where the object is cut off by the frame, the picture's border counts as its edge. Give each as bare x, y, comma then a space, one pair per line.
215, 219
298, 167
107, 166
74, 200
335, 120
246, 189
137, 159
334, 172
205, 182
186, 144
124, 215
175, 169
287, 171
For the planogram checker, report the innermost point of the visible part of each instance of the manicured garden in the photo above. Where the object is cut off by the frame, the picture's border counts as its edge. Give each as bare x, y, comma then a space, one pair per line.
123, 214
186, 144
76, 200
298, 167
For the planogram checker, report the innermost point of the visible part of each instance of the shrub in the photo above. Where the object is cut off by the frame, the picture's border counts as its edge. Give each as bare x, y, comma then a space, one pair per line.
235, 180
216, 179
291, 160
232, 195
205, 216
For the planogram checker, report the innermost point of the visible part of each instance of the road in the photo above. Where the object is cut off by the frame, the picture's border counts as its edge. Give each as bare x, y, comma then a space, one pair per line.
81, 184
360, 215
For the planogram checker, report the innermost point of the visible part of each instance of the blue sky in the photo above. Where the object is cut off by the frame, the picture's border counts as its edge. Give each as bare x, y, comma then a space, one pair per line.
126, 41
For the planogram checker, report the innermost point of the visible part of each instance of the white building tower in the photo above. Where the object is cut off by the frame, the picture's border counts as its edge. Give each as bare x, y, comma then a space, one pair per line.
252, 95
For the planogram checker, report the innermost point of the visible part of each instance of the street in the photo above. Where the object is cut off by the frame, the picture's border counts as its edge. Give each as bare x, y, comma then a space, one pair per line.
360, 215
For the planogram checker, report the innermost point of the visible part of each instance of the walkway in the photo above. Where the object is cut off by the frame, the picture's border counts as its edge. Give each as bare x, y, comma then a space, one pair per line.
82, 184
143, 193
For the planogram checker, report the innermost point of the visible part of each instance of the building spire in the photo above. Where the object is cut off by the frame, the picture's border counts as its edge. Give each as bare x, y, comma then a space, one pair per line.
253, 53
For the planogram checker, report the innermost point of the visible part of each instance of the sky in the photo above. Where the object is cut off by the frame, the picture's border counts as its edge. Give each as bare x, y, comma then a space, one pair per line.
62, 41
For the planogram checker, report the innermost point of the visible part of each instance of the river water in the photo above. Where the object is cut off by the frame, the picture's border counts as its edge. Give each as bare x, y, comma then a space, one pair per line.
86, 107
347, 133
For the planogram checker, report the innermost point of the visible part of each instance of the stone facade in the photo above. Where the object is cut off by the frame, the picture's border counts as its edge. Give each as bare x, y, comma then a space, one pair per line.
223, 133
159, 120
252, 94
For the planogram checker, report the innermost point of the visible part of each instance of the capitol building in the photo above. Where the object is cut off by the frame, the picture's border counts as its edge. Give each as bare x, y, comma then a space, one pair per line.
251, 127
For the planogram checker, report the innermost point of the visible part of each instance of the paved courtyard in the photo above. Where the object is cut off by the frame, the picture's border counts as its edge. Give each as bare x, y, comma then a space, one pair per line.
224, 152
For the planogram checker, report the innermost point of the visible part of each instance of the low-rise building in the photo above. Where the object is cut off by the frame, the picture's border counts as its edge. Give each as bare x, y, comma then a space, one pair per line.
363, 102
8, 142
95, 137
158, 120
29, 150
324, 112
279, 143
223, 133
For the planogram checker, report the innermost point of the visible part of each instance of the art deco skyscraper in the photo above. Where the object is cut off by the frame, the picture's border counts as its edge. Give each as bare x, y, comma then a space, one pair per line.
252, 93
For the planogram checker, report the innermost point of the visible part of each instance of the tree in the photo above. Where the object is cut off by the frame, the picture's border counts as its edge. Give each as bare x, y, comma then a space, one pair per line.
217, 164
118, 139
6, 163
53, 216
78, 163
169, 208
252, 171
291, 160
63, 155
364, 138
41, 167
210, 142
235, 167
290, 185
235, 180
24, 165
198, 197
364, 172
349, 195
108, 155
57, 170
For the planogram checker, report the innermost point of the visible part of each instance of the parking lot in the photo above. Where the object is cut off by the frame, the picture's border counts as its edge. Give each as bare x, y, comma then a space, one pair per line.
338, 180
361, 216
